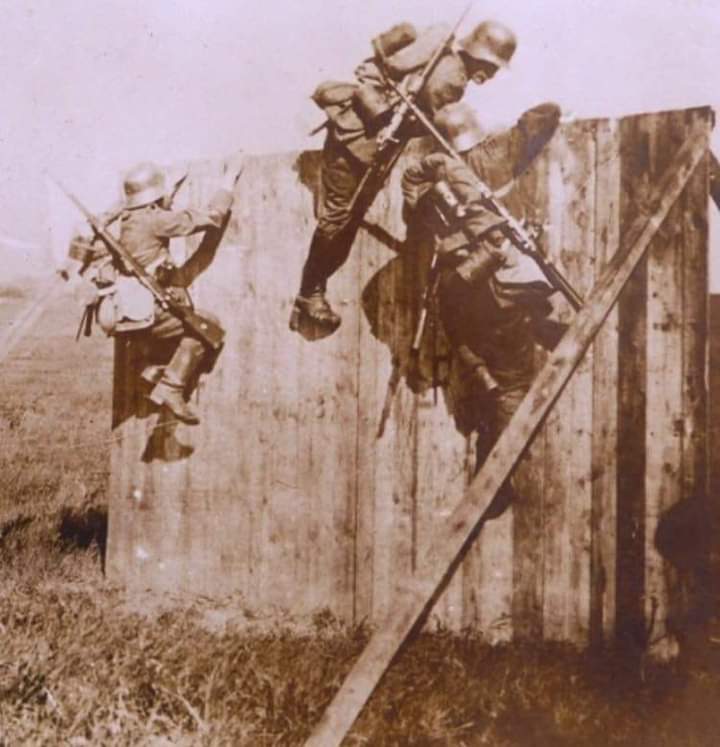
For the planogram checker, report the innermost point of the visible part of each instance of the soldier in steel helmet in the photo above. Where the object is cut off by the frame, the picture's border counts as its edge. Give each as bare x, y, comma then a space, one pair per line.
357, 114
492, 300
126, 307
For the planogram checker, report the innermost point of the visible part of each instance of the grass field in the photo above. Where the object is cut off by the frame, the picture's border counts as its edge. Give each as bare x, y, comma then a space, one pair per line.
81, 663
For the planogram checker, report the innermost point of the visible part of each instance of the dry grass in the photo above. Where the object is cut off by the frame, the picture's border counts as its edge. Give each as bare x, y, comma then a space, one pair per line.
79, 667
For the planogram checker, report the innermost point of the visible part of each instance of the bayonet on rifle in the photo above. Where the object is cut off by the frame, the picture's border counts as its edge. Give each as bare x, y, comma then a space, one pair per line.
208, 330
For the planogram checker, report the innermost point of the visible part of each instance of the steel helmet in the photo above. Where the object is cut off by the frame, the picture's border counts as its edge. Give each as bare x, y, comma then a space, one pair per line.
490, 41
459, 123
143, 185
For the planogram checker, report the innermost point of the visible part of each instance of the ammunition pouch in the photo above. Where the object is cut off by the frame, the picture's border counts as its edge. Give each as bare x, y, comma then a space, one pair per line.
373, 104
334, 97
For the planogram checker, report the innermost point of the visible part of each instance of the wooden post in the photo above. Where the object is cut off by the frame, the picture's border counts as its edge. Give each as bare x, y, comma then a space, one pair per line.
452, 539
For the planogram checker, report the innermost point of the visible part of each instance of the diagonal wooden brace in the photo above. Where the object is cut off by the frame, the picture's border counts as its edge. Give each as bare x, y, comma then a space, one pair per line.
453, 539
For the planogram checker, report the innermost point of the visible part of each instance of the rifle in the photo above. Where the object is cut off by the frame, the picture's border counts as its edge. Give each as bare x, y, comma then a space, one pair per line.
206, 329
389, 147
512, 228
395, 375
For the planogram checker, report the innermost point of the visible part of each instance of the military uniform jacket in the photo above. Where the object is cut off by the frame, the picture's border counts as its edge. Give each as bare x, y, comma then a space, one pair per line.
145, 234
496, 161
445, 85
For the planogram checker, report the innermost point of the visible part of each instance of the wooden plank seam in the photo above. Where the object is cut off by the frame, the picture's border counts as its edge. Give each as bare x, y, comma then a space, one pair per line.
462, 526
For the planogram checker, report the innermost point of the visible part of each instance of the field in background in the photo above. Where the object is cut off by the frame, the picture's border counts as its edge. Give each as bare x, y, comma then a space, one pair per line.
83, 664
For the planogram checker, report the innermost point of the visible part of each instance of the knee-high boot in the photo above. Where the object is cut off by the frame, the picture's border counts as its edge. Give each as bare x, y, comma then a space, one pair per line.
170, 390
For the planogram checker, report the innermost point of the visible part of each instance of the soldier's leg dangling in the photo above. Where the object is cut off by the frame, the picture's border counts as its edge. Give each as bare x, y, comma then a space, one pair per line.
170, 391
331, 242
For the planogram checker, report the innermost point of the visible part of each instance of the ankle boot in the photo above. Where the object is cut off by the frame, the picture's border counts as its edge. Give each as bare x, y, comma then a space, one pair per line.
171, 396
315, 309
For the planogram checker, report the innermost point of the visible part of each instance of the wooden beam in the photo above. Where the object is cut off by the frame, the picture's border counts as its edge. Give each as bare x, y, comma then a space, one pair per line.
452, 540
715, 179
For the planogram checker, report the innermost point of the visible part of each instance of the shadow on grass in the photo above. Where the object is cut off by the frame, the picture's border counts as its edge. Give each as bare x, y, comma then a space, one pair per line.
12, 526
81, 528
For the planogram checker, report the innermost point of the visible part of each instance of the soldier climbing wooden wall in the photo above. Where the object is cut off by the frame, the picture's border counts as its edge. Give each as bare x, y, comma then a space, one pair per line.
137, 290
367, 125
492, 299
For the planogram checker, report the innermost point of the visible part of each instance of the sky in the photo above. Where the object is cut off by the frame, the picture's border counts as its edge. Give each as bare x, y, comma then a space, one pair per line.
92, 86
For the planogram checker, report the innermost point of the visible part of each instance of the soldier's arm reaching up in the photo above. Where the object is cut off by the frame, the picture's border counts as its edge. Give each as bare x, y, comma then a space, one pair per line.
172, 223
507, 155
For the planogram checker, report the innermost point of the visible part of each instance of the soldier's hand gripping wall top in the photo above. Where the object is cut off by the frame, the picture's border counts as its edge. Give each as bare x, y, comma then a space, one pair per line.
492, 300
124, 306
356, 115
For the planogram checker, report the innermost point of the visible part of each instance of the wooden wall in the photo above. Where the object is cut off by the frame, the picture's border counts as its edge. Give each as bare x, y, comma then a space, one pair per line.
286, 495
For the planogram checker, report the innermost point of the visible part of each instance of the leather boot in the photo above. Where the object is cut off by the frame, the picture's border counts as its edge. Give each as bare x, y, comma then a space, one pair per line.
152, 374
314, 309
170, 390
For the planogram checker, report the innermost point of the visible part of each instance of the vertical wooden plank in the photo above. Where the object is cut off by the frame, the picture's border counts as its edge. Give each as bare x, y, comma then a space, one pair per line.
694, 245
664, 416
532, 194
696, 595
578, 238
280, 481
567, 499
391, 294
373, 371
631, 403
554, 541
196, 535
236, 383
605, 393
344, 485
441, 480
254, 413
312, 373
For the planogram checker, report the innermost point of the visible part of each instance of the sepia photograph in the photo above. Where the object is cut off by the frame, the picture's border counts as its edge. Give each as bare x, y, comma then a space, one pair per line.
360, 373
